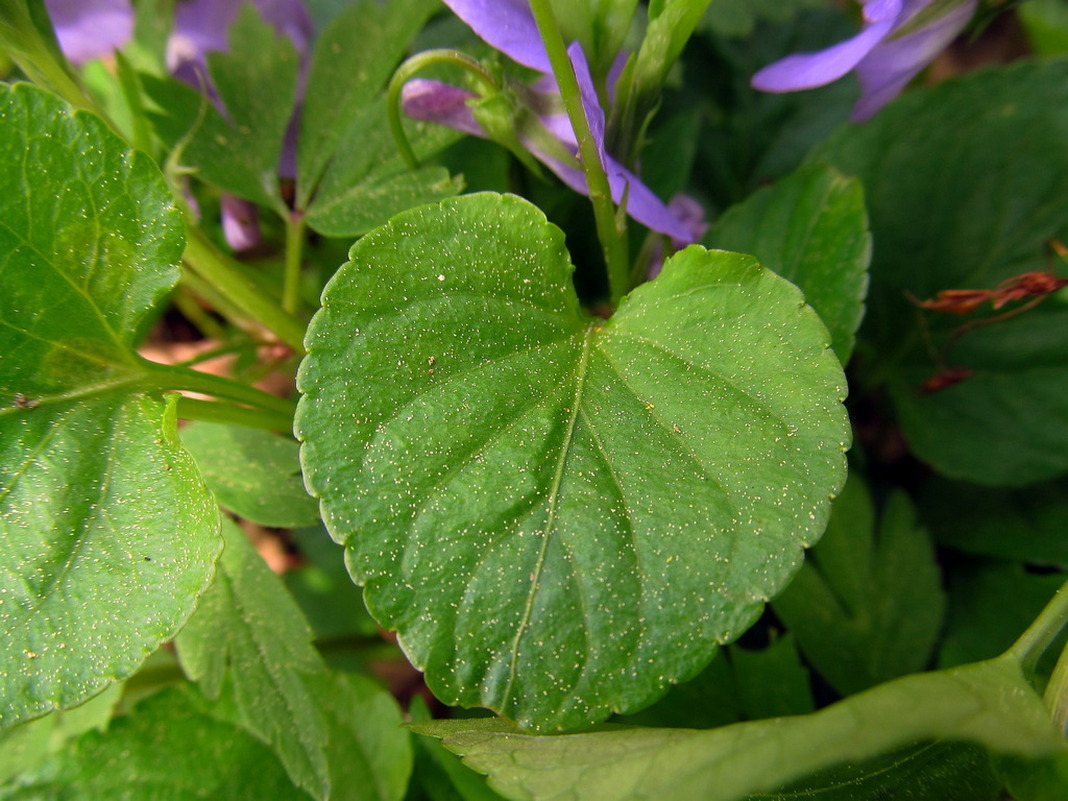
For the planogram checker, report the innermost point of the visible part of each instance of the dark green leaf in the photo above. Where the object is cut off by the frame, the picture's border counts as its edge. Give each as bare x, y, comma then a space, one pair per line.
969, 220
864, 607
939, 771
351, 63
989, 704
1025, 525
990, 603
109, 534
338, 736
771, 682
253, 473
247, 629
739, 17
811, 228
368, 182
321, 586
506, 472
741, 684
757, 136
237, 150
170, 748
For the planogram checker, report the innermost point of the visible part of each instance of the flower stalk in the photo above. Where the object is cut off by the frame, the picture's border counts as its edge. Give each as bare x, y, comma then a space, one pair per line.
610, 230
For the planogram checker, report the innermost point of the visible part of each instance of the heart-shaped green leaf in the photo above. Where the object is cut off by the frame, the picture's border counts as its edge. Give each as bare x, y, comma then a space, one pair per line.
562, 515
109, 535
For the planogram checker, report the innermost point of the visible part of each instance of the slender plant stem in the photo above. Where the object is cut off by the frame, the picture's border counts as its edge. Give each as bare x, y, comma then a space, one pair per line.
1056, 695
295, 226
223, 412
191, 309
406, 71
609, 228
1042, 632
227, 278
165, 376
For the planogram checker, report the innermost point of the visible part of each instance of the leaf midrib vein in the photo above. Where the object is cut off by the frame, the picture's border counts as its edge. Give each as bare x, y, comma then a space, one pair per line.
581, 374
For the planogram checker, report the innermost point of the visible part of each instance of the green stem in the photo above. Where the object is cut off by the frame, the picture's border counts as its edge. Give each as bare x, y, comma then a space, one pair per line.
165, 376
610, 229
295, 226
1040, 634
227, 278
406, 71
191, 309
1056, 695
222, 412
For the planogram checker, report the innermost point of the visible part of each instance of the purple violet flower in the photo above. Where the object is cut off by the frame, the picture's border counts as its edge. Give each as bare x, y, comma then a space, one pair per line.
509, 26
203, 26
892, 47
88, 29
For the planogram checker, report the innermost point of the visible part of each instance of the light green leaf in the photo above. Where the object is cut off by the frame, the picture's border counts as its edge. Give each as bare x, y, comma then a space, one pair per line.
562, 515
866, 607
989, 703
109, 534
811, 228
969, 221
169, 748
253, 473
24, 748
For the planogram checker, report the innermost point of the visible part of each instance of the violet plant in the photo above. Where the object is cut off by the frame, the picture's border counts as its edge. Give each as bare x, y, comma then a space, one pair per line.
554, 464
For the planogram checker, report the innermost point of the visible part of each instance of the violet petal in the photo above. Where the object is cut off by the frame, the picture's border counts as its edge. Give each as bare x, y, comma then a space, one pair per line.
203, 26
809, 70
894, 62
240, 222
505, 25
433, 101
88, 29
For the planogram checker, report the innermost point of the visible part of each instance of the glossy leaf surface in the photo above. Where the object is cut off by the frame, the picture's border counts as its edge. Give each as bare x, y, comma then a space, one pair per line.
989, 703
109, 535
543, 504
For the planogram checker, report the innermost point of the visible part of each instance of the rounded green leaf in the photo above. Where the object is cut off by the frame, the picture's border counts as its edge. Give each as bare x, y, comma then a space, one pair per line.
562, 515
109, 535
